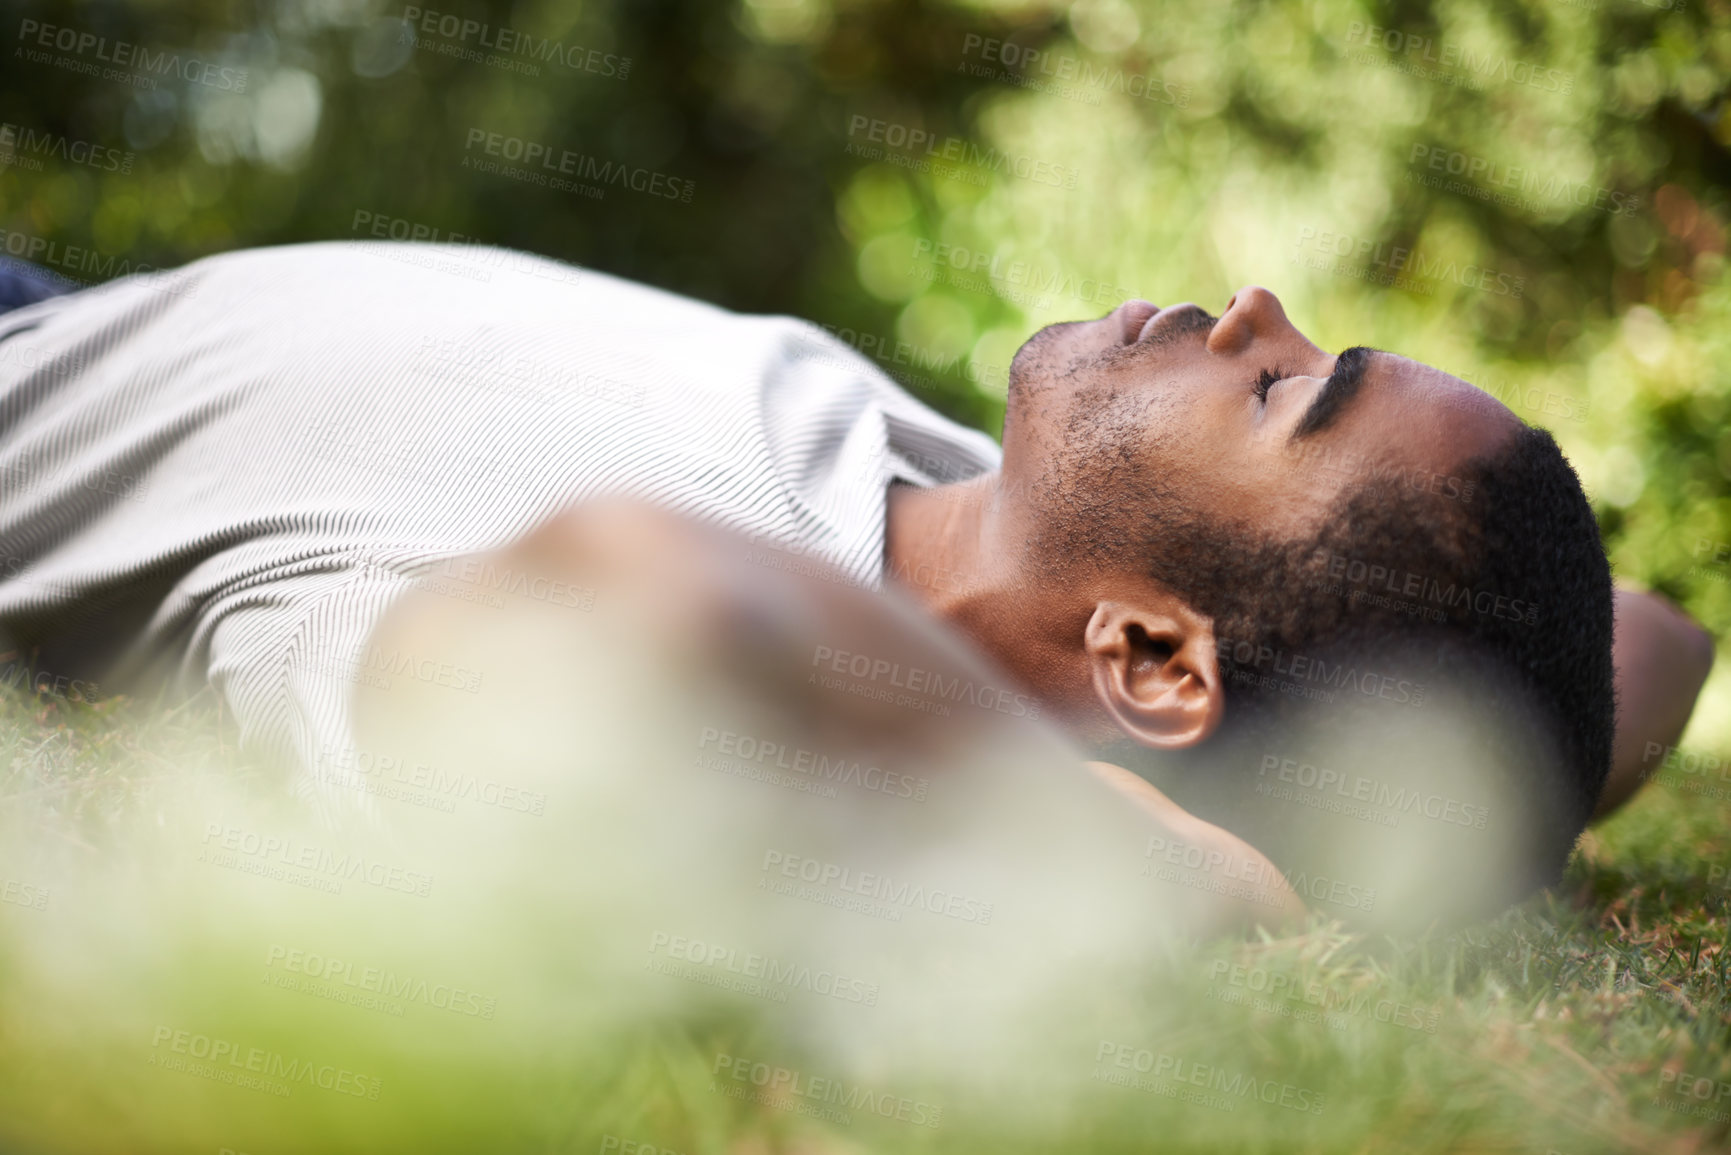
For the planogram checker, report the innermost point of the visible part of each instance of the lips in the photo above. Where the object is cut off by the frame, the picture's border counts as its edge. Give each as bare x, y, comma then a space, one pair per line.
1133, 317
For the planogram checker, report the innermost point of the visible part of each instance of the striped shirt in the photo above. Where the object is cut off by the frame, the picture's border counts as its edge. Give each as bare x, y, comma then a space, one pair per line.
225, 473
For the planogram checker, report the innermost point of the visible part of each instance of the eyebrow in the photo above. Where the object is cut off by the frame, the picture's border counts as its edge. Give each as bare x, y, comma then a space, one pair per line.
1337, 391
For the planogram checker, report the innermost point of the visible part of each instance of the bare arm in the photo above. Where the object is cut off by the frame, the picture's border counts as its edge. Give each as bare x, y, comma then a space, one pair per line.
686, 606
1662, 658
1275, 903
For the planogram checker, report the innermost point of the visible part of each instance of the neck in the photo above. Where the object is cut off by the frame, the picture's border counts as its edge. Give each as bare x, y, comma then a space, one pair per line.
959, 553
938, 547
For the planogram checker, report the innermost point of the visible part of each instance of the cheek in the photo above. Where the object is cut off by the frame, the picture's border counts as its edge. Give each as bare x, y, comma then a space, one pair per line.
1286, 492
1114, 435
1170, 427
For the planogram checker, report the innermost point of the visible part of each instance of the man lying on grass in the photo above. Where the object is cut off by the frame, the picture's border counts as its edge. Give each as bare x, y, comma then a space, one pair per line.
1241, 566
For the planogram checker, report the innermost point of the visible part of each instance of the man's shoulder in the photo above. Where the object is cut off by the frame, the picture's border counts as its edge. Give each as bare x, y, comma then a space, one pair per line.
482, 280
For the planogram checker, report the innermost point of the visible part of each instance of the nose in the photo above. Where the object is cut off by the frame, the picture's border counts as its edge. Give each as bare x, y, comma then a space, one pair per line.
1253, 314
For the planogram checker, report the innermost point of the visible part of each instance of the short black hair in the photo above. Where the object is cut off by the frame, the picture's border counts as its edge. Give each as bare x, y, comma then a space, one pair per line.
1486, 592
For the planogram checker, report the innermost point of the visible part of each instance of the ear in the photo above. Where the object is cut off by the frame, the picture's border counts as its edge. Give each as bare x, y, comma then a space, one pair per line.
1155, 671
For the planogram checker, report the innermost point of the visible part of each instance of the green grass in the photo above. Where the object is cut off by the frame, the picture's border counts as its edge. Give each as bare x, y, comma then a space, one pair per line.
1566, 1025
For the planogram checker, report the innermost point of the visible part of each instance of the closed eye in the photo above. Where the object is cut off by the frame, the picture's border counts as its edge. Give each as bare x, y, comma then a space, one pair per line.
1269, 379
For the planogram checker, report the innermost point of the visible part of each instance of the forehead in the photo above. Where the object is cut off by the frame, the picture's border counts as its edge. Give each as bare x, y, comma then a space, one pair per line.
1425, 416
1428, 382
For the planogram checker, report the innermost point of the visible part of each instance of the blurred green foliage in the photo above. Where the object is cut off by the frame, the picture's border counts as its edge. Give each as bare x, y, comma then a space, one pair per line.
1530, 195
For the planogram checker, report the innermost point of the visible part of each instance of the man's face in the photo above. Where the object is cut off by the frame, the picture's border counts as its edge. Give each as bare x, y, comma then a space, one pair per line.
1239, 419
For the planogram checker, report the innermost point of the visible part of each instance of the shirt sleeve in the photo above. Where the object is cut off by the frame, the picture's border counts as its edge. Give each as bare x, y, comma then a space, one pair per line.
286, 656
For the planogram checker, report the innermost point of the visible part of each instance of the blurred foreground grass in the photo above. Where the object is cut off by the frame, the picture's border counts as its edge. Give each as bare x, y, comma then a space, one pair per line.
1590, 1020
